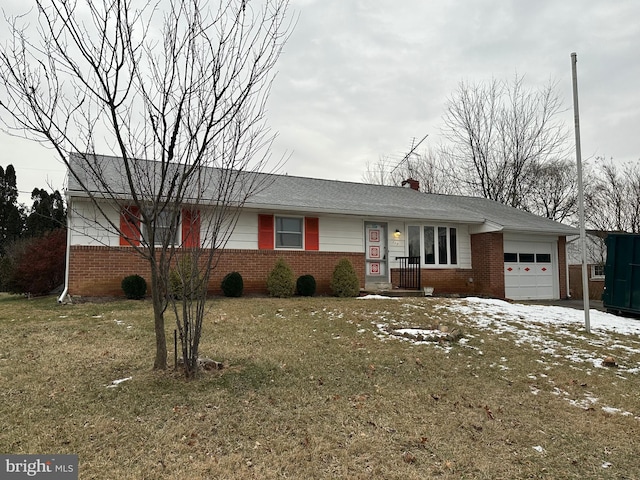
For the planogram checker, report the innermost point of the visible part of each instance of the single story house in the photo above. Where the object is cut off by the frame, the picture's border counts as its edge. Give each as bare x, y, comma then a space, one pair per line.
596, 250
396, 237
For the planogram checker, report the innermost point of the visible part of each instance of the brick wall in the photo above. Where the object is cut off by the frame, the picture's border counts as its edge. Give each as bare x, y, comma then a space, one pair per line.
596, 286
98, 271
443, 280
487, 260
562, 266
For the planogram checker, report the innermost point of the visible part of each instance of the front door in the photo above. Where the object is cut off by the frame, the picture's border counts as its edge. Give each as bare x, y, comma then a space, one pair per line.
376, 253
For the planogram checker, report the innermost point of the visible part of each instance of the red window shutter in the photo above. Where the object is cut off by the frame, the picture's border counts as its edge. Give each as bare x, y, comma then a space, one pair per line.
130, 226
311, 234
190, 228
265, 232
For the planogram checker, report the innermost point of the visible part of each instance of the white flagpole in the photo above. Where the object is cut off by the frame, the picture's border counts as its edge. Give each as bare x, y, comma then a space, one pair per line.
583, 239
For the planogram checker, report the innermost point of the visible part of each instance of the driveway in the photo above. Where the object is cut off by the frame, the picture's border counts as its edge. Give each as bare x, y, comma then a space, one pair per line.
578, 304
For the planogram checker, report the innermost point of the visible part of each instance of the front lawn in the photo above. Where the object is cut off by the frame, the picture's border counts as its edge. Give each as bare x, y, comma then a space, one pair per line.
325, 388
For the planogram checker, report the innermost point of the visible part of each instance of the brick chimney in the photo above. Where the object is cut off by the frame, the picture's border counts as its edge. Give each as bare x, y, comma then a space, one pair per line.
413, 184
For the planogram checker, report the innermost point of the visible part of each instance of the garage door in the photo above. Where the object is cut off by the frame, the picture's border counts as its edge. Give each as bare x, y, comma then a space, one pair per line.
529, 270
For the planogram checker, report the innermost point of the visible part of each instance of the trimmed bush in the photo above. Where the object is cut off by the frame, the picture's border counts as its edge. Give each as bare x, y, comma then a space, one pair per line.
232, 285
185, 281
134, 287
344, 281
280, 282
306, 286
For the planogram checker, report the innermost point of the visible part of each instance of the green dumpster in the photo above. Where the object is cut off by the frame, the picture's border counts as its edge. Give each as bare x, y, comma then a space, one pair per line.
622, 274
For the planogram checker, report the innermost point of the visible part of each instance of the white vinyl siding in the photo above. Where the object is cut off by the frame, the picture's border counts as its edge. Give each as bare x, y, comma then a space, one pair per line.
336, 234
340, 234
89, 227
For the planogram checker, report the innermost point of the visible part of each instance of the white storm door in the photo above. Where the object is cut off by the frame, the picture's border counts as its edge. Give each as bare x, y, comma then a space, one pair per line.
376, 251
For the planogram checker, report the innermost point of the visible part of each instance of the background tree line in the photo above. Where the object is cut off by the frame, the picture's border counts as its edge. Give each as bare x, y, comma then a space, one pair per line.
32, 240
505, 141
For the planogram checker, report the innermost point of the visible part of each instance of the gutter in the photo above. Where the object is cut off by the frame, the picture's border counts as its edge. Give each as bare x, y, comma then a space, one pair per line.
66, 263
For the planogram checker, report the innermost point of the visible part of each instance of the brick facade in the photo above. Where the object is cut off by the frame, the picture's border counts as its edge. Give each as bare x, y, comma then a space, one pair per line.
562, 266
443, 280
98, 271
487, 260
596, 285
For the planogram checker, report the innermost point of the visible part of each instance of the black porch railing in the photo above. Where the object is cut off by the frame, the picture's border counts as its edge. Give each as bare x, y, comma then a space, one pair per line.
409, 272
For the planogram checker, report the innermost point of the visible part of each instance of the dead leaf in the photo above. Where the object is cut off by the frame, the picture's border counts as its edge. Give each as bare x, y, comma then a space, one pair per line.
409, 457
489, 412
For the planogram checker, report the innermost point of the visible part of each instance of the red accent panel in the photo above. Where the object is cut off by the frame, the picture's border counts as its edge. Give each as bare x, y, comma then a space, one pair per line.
190, 228
265, 232
130, 226
311, 233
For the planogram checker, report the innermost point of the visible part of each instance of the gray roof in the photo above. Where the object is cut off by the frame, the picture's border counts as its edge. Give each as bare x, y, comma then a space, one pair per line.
312, 195
509, 218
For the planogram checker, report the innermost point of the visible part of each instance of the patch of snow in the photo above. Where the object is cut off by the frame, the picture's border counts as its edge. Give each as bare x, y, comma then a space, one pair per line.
377, 297
115, 383
613, 410
538, 449
607, 465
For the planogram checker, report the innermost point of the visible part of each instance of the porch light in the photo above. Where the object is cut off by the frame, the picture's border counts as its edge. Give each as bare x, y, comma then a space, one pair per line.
397, 233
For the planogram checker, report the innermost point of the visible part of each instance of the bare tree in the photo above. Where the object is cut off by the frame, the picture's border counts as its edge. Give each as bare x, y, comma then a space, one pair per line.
554, 193
426, 167
499, 134
613, 203
183, 83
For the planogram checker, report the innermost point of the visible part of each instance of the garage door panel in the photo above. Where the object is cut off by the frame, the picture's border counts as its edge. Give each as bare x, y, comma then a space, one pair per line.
529, 270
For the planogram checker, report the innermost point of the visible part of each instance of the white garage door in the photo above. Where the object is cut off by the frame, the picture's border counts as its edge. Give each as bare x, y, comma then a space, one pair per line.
530, 270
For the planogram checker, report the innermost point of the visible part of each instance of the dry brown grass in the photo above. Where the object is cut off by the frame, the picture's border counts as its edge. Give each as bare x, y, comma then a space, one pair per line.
308, 391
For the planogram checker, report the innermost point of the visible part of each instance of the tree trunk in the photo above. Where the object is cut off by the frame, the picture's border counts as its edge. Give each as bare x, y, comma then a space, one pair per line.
157, 294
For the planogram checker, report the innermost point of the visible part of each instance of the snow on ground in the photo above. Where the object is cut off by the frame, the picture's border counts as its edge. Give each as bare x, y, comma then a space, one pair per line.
545, 314
558, 333
554, 330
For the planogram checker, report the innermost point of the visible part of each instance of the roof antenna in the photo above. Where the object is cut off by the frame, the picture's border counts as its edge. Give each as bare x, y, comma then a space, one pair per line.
408, 155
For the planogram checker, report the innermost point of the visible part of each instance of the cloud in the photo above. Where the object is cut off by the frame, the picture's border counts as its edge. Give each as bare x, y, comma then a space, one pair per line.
361, 79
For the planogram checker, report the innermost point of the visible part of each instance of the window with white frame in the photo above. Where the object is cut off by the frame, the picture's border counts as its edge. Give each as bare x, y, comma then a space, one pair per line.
164, 229
288, 232
435, 245
597, 272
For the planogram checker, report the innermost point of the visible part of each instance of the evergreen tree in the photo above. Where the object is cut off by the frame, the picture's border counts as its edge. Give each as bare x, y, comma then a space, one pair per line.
47, 212
11, 215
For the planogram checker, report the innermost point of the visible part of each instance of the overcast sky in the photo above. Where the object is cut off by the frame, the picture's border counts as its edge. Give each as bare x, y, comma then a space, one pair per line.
360, 79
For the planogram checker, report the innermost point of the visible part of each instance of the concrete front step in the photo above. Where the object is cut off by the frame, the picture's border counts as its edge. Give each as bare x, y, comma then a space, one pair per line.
394, 292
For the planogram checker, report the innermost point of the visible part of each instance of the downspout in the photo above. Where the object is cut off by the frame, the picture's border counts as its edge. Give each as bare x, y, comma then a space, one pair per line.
68, 253
566, 266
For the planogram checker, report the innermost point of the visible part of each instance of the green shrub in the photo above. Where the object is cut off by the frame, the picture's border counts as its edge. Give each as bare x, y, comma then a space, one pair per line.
186, 281
232, 285
344, 281
134, 287
306, 286
280, 282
